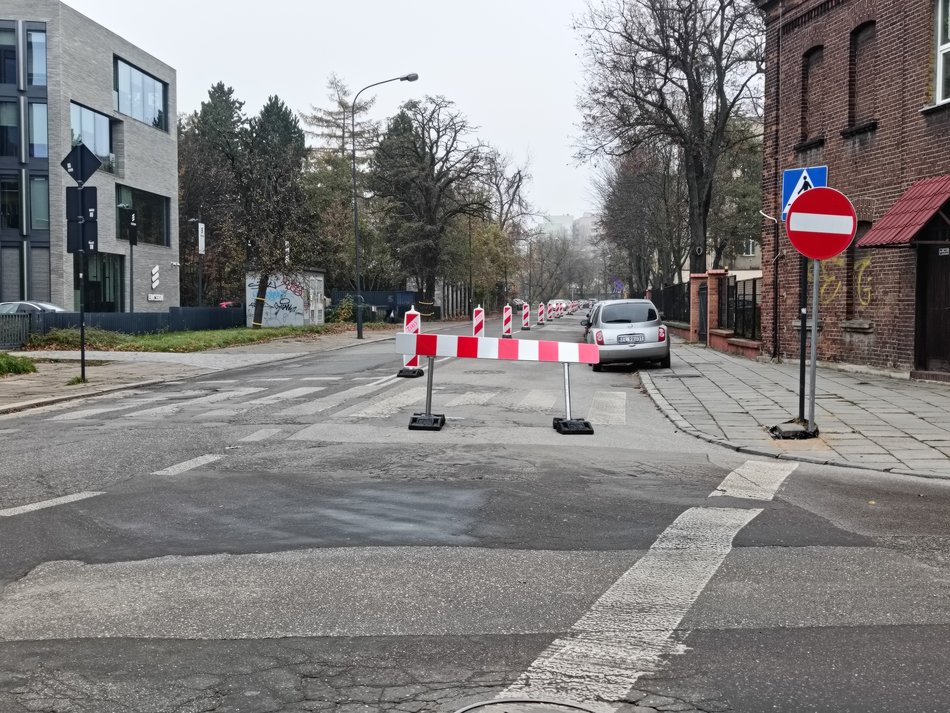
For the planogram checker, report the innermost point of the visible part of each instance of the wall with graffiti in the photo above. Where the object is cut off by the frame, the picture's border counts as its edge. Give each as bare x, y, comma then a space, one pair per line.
290, 300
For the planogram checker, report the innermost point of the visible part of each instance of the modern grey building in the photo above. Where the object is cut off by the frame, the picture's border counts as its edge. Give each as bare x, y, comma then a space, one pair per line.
65, 79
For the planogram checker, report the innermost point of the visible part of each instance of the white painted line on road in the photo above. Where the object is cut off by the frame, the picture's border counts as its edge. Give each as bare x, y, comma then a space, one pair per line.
608, 408
89, 412
391, 405
323, 378
285, 395
188, 465
471, 398
261, 435
629, 628
273, 378
756, 480
537, 400
334, 400
10, 512
218, 381
212, 398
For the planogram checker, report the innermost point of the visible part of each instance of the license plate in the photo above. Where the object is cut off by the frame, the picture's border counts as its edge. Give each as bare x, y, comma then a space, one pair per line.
630, 339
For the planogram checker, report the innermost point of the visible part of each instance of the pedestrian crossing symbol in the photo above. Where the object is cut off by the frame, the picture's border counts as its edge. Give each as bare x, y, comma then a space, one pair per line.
795, 181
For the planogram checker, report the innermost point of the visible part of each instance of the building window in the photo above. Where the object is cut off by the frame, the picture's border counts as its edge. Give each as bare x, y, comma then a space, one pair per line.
151, 214
943, 50
36, 58
39, 203
9, 203
9, 129
39, 125
749, 246
7, 55
811, 94
140, 95
93, 129
862, 75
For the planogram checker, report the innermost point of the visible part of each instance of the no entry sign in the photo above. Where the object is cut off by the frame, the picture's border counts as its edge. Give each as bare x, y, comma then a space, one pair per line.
821, 223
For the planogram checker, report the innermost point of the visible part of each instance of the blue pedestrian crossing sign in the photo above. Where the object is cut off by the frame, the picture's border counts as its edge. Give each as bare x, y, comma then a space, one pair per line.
797, 180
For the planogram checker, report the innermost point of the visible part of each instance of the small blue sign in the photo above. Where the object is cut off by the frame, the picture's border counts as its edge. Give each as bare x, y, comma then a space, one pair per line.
797, 180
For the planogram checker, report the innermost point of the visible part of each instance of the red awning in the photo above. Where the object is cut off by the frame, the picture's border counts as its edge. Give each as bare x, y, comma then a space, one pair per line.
909, 214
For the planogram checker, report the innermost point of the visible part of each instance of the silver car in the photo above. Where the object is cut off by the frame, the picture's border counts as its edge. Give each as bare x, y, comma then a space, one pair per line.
628, 331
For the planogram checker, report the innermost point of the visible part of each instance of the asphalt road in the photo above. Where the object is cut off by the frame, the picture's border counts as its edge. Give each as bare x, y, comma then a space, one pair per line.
276, 539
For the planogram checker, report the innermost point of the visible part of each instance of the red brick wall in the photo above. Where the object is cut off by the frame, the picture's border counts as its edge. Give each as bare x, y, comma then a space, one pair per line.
872, 168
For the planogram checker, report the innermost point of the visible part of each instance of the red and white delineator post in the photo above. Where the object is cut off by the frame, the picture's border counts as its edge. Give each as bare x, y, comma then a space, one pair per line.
506, 322
541, 312
450, 345
411, 325
478, 322
560, 309
550, 311
525, 317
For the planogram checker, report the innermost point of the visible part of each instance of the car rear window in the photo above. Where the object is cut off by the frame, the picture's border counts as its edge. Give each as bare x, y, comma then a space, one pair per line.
626, 313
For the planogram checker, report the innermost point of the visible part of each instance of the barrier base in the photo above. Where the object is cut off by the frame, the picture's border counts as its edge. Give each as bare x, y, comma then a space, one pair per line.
573, 426
426, 422
506, 336
408, 373
526, 329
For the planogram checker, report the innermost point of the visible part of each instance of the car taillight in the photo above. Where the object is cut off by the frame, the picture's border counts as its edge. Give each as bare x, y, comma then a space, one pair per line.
599, 337
662, 334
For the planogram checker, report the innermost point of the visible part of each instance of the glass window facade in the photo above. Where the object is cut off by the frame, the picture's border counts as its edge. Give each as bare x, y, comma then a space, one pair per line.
39, 131
7, 55
140, 95
39, 203
36, 58
9, 203
93, 129
9, 129
151, 214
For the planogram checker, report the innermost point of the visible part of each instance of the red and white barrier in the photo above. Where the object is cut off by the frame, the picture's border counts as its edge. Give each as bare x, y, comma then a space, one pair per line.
541, 311
506, 322
452, 345
550, 311
525, 317
411, 325
478, 322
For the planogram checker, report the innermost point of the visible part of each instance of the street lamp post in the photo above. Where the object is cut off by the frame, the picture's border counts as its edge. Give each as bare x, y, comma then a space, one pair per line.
356, 223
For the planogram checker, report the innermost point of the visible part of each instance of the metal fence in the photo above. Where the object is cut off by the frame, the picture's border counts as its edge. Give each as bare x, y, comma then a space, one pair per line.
673, 302
739, 308
15, 329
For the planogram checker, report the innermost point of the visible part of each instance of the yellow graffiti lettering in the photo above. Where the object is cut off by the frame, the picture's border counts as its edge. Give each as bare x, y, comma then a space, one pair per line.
862, 281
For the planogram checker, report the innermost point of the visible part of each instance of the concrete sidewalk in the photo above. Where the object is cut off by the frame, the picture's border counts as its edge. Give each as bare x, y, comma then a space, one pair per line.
866, 421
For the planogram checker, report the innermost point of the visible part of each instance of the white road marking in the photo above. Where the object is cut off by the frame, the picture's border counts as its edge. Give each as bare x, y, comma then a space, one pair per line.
471, 398
89, 412
538, 401
212, 398
218, 381
608, 408
389, 406
756, 480
273, 378
261, 435
188, 465
285, 395
629, 630
220, 413
10, 512
334, 400
326, 378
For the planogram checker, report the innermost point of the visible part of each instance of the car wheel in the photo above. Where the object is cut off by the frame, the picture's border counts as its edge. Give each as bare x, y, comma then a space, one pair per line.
665, 361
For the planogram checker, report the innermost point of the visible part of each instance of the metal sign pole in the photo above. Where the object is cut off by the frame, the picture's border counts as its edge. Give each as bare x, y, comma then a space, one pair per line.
567, 391
82, 312
429, 387
814, 348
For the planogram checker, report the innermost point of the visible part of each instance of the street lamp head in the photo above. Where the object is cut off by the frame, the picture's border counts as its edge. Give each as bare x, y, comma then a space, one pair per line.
409, 77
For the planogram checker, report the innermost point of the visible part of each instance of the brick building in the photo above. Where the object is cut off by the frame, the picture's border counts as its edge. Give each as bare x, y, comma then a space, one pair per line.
863, 87
65, 79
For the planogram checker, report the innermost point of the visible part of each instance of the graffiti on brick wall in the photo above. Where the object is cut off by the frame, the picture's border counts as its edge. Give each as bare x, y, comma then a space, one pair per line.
832, 286
283, 301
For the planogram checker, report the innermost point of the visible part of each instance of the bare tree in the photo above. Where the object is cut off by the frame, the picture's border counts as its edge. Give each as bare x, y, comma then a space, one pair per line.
506, 183
675, 70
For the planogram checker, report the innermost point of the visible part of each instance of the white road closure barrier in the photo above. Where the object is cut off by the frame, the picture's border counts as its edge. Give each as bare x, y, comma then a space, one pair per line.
450, 345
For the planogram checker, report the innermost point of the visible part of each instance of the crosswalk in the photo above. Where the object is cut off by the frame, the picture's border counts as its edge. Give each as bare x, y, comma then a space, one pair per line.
383, 398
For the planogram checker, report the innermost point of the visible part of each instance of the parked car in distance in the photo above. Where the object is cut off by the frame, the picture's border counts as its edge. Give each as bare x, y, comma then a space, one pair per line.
28, 307
628, 331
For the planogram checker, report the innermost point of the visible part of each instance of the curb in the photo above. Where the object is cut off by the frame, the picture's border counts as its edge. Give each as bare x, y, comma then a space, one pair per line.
686, 427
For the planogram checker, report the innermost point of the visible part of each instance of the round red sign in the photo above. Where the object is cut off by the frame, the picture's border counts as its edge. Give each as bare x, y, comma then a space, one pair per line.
821, 223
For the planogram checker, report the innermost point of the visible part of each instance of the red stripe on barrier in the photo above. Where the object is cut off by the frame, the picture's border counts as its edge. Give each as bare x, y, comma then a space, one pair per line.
589, 354
426, 344
508, 349
468, 347
547, 351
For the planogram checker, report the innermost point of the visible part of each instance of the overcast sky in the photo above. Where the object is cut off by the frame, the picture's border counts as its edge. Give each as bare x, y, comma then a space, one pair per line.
511, 66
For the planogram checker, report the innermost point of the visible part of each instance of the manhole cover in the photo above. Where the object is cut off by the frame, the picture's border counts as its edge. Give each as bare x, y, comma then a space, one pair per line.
523, 706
